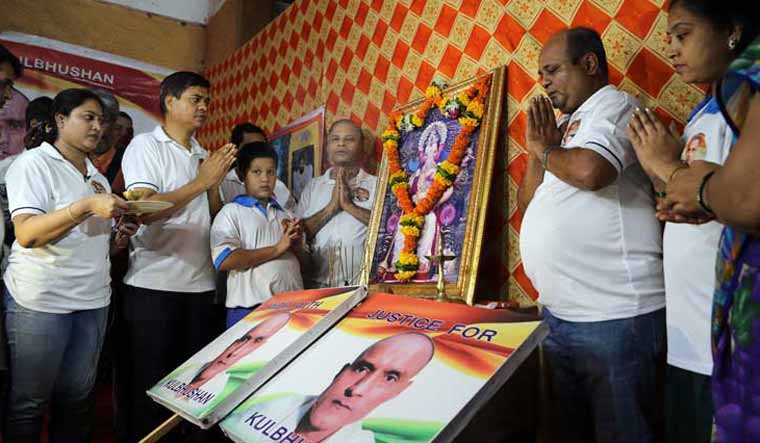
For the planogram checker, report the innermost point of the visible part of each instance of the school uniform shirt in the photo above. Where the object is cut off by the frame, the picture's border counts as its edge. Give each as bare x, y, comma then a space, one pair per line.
247, 224
343, 228
170, 254
72, 272
596, 255
232, 186
689, 252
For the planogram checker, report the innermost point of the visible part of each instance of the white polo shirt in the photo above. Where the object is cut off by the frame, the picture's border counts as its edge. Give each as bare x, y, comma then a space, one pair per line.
170, 254
246, 224
689, 253
596, 255
72, 272
232, 186
343, 228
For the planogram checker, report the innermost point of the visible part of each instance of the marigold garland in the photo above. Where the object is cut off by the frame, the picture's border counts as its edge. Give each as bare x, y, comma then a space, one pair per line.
468, 108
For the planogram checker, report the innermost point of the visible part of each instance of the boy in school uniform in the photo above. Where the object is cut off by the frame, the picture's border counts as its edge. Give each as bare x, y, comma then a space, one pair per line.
254, 238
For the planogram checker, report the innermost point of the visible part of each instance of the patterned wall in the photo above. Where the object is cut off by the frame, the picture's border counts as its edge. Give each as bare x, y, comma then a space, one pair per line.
363, 57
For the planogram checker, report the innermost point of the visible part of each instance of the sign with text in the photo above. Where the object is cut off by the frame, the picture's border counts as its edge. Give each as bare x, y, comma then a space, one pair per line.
395, 369
211, 383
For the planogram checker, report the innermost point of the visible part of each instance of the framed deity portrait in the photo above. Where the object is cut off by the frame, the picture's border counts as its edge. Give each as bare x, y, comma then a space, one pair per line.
433, 145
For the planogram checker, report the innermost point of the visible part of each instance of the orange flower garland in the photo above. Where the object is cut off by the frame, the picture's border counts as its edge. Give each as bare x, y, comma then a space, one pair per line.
468, 108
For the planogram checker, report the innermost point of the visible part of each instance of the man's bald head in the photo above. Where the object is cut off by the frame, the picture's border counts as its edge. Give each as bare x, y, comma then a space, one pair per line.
572, 67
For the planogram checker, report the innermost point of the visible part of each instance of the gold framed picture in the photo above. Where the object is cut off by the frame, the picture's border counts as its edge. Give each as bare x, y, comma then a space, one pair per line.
454, 221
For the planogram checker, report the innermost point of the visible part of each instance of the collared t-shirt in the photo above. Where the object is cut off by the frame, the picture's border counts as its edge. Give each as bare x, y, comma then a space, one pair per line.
689, 252
343, 229
596, 255
247, 224
72, 272
170, 254
232, 186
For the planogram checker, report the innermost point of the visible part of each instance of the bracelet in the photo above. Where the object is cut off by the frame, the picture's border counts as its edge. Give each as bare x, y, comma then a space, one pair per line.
71, 216
700, 192
682, 166
545, 155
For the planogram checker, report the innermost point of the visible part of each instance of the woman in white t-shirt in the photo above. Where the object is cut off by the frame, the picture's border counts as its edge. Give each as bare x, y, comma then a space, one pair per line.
57, 281
701, 47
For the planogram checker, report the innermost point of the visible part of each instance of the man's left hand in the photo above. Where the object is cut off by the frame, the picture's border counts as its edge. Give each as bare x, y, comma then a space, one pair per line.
542, 130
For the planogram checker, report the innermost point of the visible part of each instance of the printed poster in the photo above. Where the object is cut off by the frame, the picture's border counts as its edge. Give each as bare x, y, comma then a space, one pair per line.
386, 374
212, 382
299, 150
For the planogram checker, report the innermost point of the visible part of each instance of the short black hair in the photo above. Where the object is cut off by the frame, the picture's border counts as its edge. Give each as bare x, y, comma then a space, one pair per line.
239, 131
38, 109
125, 115
581, 41
7, 56
724, 15
250, 151
175, 84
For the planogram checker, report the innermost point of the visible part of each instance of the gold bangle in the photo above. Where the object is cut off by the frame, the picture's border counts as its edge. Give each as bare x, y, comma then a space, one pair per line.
680, 167
71, 216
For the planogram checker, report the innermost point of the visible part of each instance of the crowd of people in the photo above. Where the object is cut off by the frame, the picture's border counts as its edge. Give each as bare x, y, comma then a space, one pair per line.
624, 217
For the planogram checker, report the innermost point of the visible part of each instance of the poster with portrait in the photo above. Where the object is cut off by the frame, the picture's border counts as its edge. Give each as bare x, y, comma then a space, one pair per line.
455, 222
299, 150
384, 374
212, 382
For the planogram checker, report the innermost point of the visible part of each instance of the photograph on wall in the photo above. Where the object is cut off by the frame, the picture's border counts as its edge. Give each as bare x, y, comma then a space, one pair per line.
216, 379
384, 374
435, 176
299, 150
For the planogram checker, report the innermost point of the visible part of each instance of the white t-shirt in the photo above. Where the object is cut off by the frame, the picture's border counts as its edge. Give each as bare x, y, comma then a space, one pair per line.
596, 255
72, 272
343, 229
232, 186
689, 253
246, 223
171, 254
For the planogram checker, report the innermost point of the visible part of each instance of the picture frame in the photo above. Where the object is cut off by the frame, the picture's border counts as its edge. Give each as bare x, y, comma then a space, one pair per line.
458, 219
299, 147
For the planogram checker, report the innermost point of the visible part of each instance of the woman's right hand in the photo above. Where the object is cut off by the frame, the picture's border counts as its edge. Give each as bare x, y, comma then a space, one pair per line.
106, 205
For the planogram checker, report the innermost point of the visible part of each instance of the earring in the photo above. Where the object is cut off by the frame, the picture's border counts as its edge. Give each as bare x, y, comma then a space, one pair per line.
732, 43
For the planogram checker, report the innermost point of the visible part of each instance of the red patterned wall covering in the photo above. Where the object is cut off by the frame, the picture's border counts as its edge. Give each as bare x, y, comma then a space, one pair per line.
363, 57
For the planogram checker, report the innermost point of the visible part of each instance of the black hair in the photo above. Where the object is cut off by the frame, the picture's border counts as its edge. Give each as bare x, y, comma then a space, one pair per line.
125, 115
239, 131
581, 41
724, 15
175, 84
7, 56
38, 109
65, 102
250, 151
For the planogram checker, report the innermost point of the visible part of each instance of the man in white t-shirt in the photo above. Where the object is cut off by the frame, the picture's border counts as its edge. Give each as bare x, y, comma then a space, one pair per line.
592, 247
335, 208
170, 282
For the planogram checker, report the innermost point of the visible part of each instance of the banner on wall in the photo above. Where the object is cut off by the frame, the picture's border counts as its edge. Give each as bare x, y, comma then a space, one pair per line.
385, 374
51, 66
214, 381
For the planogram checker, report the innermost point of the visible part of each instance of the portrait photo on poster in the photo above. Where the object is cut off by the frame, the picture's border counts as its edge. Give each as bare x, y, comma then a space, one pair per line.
303, 169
